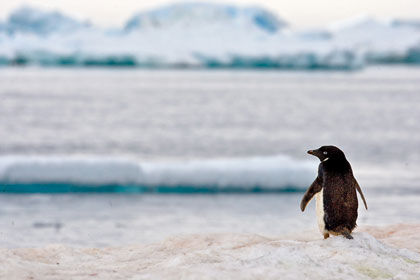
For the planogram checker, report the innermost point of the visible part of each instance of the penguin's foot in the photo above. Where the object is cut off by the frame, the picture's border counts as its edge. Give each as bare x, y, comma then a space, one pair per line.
347, 234
326, 235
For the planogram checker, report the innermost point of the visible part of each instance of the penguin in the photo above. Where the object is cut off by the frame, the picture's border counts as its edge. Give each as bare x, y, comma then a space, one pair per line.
335, 190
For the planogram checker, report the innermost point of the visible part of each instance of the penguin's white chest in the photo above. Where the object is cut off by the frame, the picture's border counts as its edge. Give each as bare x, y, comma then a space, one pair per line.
320, 210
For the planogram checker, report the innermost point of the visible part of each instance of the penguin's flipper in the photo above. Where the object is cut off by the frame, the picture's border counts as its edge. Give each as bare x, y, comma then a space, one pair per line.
361, 193
312, 190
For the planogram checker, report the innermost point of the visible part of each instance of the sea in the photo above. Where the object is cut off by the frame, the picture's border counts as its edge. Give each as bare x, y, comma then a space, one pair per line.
102, 157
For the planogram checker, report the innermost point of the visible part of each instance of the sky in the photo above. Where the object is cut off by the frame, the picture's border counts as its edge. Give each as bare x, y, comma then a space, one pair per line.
299, 13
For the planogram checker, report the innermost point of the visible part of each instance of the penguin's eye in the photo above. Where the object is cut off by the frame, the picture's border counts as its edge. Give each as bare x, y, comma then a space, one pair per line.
325, 153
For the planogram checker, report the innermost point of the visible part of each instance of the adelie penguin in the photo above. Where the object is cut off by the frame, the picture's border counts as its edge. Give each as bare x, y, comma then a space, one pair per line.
335, 189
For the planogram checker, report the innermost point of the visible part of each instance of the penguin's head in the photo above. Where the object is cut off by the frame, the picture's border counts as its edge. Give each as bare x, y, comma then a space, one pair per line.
330, 153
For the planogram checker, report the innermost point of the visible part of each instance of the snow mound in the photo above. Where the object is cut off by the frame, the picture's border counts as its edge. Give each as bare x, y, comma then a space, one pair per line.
219, 256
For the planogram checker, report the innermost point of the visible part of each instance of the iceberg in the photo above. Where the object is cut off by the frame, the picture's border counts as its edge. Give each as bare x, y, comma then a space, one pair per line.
204, 35
95, 174
380, 41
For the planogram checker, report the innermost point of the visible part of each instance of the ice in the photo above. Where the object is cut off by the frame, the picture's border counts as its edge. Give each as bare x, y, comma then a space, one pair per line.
270, 173
72, 170
223, 256
205, 35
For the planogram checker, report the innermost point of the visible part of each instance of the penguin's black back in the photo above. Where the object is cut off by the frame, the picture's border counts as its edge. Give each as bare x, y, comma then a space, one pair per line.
339, 194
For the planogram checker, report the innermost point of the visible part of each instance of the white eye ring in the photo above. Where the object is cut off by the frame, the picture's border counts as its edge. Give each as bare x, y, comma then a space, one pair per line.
325, 153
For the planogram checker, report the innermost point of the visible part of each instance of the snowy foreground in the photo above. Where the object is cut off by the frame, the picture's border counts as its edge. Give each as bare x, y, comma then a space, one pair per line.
391, 252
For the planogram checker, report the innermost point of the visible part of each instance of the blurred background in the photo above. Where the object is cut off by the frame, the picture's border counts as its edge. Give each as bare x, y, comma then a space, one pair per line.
129, 122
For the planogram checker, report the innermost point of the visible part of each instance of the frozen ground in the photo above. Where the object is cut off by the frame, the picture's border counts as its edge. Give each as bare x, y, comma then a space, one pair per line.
391, 252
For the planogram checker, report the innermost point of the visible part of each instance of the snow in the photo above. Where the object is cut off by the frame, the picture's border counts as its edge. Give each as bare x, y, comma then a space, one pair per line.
227, 256
205, 35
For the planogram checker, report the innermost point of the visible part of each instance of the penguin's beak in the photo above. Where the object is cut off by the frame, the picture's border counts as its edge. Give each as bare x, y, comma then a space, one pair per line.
311, 152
